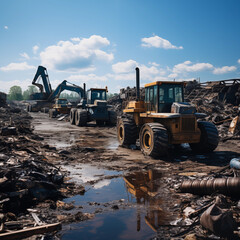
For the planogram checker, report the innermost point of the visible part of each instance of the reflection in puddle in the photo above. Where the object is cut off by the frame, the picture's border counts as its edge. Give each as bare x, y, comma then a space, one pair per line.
145, 187
142, 213
86, 173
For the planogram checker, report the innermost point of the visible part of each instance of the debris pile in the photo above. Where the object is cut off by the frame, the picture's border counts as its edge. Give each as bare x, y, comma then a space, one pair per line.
27, 176
225, 91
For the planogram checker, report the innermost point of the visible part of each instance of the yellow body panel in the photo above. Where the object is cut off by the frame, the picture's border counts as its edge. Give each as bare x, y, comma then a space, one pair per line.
182, 128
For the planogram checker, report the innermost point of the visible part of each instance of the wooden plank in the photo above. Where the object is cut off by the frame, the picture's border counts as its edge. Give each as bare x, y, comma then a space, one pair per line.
28, 232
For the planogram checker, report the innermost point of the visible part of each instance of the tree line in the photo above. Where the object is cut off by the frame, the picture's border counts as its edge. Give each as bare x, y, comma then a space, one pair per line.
16, 93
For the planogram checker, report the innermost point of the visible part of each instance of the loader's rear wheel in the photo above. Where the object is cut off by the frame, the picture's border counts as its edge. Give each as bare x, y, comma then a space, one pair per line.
72, 115
209, 138
154, 140
81, 117
112, 118
127, 131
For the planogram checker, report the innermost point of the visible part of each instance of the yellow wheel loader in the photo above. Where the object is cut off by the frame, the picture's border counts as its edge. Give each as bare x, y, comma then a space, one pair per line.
163, 119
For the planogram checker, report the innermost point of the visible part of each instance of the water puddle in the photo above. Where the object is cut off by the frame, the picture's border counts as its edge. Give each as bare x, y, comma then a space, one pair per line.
86, 173
142, 206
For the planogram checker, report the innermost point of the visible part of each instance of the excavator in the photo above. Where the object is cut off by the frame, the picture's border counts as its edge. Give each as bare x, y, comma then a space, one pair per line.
45, 98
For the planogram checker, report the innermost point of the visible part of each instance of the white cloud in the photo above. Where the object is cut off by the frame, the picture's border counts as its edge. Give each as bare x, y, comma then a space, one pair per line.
24, 55
126, 71
124, 67
188, 66
239, 61
76, 54
87, 78
224, 69
17, 67
35, 49
153, 63
158, 42
6, 27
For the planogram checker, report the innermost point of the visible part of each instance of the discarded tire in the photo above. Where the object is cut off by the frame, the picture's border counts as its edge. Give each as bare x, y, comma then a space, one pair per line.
127, 131
154, 140
209, 138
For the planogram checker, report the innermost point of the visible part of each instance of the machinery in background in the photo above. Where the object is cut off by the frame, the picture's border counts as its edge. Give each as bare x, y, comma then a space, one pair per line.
45, 98
61, 106
93, 108
164, 120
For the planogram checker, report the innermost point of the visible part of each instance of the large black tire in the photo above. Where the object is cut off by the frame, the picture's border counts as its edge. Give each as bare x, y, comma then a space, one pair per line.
112, 118
81, 117
72, 115
209, 138
127, 131
154, 140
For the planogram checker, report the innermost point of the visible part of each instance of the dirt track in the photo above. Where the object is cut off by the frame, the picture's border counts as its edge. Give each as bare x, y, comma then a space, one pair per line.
94, 159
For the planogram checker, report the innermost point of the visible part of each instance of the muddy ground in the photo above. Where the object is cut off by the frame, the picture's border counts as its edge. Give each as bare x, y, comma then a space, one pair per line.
117, 203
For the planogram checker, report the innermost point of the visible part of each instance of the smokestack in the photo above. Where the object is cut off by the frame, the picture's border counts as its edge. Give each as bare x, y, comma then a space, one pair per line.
84, 88
137, 83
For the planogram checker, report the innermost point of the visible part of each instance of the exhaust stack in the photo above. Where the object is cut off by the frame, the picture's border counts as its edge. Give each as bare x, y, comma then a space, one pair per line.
137, 83
84, 88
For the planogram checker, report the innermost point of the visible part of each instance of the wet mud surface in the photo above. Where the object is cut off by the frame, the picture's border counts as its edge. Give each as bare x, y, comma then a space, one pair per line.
127, 195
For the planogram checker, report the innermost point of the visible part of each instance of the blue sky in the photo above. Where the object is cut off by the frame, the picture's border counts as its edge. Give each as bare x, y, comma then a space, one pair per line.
101, 42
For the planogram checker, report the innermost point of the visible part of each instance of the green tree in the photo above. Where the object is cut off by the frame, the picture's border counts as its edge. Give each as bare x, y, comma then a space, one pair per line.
15, 93
31, 89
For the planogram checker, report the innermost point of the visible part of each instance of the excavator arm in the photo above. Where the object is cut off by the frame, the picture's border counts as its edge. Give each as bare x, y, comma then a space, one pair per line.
42, 72
70, 87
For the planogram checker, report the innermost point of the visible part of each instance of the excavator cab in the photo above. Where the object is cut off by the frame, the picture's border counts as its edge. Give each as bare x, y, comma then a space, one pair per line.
159, 96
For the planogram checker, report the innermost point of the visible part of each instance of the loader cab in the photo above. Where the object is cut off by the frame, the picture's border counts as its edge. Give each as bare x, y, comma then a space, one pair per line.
96, 94
159, 96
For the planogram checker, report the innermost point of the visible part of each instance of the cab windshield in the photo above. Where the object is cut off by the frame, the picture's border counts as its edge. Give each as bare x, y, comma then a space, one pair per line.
98, 95
159, 98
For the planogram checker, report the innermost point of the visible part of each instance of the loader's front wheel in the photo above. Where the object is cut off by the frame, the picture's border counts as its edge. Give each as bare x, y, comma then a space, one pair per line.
81, 117
154, 140
72, 115
127, 131
209, 138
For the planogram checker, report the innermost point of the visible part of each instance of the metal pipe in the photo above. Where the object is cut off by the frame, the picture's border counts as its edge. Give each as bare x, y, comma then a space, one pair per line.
227, 186
84, 89
137, 83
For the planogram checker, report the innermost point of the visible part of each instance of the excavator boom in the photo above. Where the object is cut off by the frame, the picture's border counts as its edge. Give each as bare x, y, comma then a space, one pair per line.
42, 71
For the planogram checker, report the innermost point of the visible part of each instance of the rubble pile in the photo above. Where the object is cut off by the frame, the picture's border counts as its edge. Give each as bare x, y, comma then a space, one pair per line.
220, 114
27, 176
225, 91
